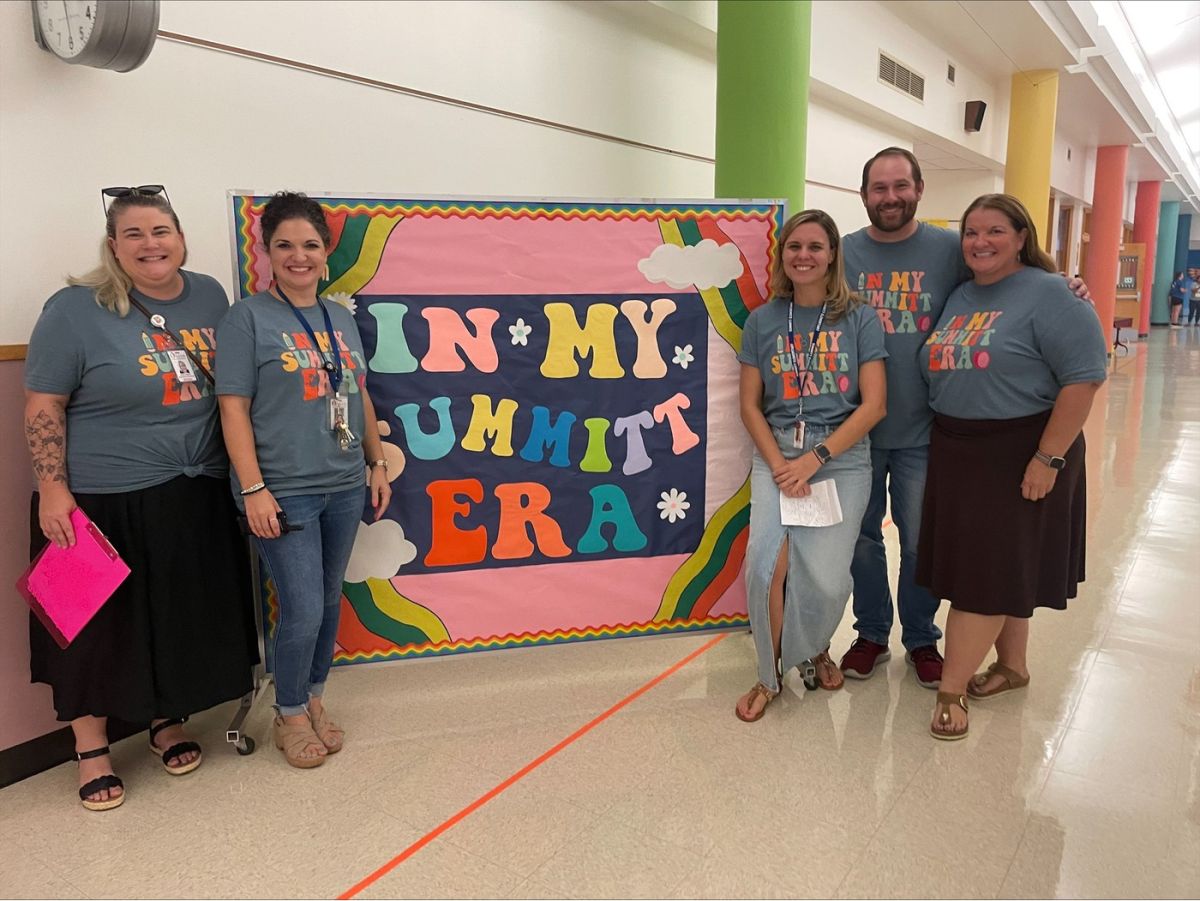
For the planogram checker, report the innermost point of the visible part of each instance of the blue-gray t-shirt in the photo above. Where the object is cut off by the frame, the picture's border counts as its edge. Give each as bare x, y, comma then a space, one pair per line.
907, 282
831, 390
131, 423
1004, 351
268, 357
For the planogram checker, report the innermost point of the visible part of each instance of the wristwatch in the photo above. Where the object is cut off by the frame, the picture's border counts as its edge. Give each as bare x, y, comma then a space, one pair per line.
822, 453
1058, 463
375, 463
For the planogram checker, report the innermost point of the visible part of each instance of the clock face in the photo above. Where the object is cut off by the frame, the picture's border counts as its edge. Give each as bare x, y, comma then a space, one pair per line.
67, 25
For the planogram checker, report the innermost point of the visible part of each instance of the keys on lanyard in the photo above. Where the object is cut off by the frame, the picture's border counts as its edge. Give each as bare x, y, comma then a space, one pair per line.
339, 403
810, 355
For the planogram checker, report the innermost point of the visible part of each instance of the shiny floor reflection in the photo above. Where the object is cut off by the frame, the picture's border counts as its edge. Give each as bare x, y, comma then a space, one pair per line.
1085, 785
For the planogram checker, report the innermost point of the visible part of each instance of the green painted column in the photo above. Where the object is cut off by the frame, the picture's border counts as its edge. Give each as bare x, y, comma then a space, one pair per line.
1164, 260
762, 98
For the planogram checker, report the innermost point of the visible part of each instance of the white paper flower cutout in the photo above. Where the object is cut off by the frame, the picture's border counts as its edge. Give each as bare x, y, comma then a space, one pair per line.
345, 300
520, 332
683, 355
674, 505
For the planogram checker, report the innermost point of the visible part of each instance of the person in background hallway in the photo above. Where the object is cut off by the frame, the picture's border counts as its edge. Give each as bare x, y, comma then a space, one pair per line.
1194, 298
905, 269
297, 424
808, 413
1013, 365
121, 421
1180, 290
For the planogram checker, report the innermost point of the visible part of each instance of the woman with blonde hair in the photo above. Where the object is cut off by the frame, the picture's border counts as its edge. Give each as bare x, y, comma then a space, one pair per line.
121, 421
1013, 365
812, 387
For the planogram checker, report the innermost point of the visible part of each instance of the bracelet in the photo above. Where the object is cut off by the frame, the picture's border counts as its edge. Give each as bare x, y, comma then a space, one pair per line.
253, 489
374, 463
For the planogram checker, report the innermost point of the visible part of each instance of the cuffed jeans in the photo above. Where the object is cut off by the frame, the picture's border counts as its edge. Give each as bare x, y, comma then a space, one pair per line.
900, 472
308, 568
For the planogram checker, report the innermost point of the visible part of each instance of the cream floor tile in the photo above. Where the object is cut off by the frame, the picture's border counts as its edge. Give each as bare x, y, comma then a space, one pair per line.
612, 860
428, 789
529, 889
25, 876
441, 870
520, 829
890, 870
1137, 761
1087, 839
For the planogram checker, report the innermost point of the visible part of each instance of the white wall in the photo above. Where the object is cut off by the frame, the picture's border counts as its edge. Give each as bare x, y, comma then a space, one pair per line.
949, 192
838, 145
1077, 175
847, 40
201, 121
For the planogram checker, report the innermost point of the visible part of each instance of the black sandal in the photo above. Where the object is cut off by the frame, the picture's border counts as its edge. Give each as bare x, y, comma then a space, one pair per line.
176, 750
107, 782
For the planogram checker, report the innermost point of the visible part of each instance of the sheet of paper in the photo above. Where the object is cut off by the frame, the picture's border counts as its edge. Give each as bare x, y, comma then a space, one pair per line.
821, 508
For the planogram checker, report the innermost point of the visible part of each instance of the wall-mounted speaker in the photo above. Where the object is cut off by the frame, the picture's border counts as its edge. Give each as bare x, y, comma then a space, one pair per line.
973, 121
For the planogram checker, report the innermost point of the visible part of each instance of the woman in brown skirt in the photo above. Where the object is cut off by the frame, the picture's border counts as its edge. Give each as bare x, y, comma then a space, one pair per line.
1013, 366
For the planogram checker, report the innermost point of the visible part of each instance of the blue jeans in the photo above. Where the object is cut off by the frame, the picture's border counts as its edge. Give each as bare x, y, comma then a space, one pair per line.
902, 471
308, 567
818, 567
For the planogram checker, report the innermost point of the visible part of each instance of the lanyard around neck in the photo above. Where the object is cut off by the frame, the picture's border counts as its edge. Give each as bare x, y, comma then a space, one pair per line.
810, 353
332, 367
159, 322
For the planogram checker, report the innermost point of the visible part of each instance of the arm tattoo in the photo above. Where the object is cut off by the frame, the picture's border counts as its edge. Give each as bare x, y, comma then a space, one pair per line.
46, 433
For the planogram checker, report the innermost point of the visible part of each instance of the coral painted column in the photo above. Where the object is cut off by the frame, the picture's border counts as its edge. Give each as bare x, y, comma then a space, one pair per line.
1108, 201
763, 51
1168, 224
1145, 231
1031, 144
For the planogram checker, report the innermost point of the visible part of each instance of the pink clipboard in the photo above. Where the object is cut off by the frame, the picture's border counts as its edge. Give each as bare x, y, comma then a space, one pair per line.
66, 586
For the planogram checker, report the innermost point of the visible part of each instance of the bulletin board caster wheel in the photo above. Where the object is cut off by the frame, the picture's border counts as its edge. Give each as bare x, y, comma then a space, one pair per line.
245, 746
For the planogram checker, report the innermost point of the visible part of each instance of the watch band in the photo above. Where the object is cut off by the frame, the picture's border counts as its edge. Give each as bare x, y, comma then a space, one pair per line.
822, 453
1056, 463
381, 462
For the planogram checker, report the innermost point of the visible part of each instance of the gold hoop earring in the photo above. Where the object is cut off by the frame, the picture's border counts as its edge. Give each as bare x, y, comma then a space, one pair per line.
326, 276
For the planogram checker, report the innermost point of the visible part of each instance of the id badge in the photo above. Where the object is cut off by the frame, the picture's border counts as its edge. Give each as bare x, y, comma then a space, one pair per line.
798, 435
183, 365
339, 410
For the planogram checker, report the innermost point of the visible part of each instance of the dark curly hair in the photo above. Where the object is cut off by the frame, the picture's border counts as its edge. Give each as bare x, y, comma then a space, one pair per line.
292, 205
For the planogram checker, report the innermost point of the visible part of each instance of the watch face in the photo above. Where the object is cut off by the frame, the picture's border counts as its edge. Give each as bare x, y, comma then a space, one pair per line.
66, 25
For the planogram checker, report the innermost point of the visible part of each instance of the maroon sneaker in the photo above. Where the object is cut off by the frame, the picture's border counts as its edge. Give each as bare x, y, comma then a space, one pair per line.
863, 657
928, 663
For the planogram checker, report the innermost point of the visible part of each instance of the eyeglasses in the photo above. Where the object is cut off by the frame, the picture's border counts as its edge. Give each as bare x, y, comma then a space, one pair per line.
107, 195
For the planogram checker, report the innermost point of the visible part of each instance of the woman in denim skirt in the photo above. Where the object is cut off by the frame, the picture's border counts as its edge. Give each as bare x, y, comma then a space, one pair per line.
301, 432
812, 387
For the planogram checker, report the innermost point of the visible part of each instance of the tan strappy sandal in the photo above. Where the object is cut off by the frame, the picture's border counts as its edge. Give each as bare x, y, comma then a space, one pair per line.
293, 738
329, 732
1011, 680
824, 666
941, 722
767, 695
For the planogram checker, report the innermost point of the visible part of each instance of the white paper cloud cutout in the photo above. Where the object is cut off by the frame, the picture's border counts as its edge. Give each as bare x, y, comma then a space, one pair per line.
380, 549
705, 265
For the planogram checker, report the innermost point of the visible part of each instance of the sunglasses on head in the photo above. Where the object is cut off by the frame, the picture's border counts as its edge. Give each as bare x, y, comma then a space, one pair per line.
108, 195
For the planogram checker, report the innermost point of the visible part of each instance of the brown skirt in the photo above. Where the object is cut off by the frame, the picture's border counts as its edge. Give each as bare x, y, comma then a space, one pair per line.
985, 548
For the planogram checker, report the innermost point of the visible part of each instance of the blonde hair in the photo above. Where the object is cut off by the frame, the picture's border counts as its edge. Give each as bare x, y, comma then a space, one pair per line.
837, 293
1018, 217
108, 281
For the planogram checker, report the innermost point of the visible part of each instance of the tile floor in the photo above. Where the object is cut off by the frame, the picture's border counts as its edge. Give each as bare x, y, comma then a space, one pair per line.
1086, 785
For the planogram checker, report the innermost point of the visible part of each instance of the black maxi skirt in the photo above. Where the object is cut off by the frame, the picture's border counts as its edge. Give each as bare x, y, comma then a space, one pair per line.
982, 546
178, 635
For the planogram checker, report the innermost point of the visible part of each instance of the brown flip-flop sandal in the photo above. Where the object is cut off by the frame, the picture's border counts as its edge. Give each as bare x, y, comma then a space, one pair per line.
823, 660
945, 700
768, 697
1010, 681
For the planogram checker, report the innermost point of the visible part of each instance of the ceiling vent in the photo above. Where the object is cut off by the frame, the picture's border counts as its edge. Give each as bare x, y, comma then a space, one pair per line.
900, 76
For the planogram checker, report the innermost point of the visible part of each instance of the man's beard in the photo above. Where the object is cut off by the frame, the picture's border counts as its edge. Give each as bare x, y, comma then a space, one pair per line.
906, 216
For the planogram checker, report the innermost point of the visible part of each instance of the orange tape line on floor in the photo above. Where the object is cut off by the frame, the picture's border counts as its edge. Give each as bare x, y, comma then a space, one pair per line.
526, 770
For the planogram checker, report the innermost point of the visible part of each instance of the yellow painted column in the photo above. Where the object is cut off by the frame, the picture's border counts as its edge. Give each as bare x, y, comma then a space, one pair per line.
1031, 144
